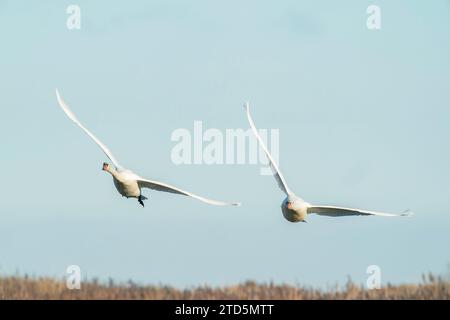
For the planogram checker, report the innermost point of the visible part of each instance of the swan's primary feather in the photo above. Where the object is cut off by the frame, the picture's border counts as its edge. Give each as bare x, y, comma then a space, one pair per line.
72, 117
159, 186
332, 211
276, 171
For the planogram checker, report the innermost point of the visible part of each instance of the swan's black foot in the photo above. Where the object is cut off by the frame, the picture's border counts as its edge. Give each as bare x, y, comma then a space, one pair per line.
141, 199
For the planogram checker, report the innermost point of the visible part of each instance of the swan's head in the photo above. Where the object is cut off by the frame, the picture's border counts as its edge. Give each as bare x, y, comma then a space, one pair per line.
293, 202
105, 166
294, 208
293, 205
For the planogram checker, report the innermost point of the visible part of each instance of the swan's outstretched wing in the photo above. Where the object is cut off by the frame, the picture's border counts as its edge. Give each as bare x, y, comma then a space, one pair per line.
159, 186
276, 171
72, 116
331, 211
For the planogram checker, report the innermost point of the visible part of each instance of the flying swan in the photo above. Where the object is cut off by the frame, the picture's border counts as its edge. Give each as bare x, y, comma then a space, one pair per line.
294, 208
127, 182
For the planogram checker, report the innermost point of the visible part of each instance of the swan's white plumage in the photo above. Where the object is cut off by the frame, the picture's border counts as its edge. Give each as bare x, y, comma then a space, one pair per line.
295, 208
276, 170
128, 183
332, 211
160, 186
72, 117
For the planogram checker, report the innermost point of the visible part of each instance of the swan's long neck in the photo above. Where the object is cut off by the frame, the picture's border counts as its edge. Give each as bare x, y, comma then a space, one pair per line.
113, 172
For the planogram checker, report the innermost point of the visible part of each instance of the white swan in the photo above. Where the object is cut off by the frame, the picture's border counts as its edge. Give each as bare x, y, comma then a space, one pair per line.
128, 183
294, 208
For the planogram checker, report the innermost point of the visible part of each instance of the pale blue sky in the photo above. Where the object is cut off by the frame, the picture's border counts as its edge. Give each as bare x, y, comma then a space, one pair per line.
363, 119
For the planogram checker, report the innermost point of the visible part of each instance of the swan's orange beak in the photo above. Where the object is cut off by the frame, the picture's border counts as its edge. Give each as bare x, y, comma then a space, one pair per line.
105, 166
289, 205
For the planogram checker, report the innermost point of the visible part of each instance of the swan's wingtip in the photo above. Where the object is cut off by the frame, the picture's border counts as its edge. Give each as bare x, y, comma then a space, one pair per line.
407, 213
